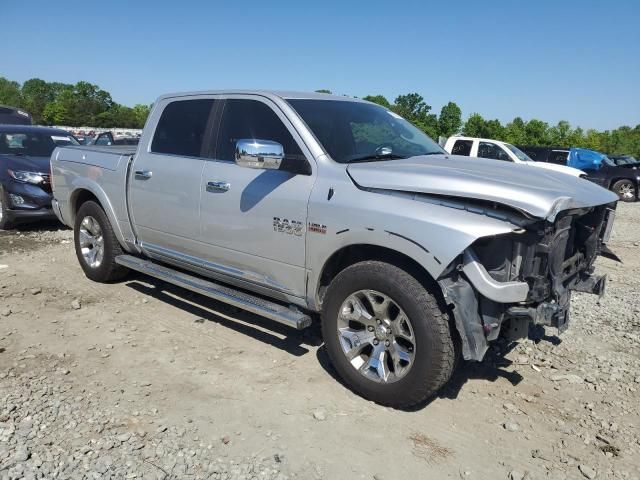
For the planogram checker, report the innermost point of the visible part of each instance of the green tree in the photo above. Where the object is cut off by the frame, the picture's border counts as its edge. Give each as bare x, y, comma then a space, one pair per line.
450, 120
514, 132
141, 112
379, 99
10, 94
413, 108
323, 90
476, 126
36, 94
537, 133
56, 113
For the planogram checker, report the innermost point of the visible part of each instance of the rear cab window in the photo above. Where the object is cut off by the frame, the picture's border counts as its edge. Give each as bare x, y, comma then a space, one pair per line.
183, 128
462, 147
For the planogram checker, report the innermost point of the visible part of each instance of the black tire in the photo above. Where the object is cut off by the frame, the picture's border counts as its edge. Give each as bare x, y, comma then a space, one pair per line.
5, 222
434, 356
108, 270
626, 190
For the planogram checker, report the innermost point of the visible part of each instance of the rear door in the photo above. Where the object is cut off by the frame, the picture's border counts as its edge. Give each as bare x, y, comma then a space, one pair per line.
254, 222
165, 186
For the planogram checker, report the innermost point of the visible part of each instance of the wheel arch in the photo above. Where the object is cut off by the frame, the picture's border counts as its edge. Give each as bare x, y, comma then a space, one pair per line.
358, 252
84, 193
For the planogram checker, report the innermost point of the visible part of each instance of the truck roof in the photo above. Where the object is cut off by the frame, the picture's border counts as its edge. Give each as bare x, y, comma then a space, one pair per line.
462, 137
266, 93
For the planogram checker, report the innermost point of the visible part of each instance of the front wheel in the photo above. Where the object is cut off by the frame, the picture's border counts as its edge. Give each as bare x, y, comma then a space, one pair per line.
625, 189
387, 336
96, 245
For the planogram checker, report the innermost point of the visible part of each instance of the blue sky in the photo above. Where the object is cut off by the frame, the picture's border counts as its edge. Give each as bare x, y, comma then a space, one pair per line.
553, 60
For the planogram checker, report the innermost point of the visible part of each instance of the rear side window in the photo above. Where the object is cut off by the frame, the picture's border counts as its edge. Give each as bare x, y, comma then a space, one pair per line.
182, 128
462, 147
491, 150
559, 157
252, 119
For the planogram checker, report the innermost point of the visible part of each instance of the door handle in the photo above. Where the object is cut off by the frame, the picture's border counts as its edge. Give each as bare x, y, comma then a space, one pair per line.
218, 186
143, 174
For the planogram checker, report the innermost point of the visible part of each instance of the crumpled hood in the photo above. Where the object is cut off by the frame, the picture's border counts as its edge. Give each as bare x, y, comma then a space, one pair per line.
25, 163
538, 192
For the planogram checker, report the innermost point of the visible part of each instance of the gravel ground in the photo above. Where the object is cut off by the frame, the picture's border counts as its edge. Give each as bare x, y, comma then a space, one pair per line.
142, 380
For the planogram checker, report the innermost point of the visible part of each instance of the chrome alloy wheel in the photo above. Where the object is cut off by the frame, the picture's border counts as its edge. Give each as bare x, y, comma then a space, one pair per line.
91, 242
376, 336
627, 191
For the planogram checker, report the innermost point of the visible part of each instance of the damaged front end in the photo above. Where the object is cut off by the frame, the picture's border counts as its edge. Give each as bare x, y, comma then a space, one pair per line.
504, 283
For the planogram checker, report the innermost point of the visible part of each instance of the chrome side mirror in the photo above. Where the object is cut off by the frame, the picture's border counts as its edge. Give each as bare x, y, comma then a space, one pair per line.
263, 154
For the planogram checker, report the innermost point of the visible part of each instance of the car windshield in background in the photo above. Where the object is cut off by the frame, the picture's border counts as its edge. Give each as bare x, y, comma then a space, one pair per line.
35, 144
518, 153
626, 160
358, 131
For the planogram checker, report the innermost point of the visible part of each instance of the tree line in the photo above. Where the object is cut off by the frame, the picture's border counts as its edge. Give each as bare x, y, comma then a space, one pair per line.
622, 140
85, 104
82, 104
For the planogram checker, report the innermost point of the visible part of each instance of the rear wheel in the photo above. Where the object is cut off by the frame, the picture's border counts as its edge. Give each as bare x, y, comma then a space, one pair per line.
625, 189
387, 336
5, 223
96, 244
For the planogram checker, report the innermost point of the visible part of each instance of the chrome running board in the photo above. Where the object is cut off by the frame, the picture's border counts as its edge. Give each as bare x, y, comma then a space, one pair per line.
245, 301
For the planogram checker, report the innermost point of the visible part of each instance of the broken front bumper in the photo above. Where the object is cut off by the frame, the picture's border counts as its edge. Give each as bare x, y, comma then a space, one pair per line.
507, 282
556, 314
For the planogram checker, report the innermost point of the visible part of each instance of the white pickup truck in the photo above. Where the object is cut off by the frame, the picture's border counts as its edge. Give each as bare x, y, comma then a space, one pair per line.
303, 206
497, 150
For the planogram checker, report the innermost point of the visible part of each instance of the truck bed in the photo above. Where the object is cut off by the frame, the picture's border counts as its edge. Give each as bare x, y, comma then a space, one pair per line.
107, 157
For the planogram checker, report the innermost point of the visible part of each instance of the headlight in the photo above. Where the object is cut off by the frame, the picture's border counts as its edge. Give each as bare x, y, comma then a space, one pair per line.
27, 177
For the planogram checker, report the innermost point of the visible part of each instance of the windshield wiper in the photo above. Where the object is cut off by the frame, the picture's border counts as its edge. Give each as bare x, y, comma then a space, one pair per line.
377, 156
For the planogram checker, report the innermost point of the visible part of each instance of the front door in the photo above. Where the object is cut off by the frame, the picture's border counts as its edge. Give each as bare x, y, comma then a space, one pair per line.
165, 182
254, 221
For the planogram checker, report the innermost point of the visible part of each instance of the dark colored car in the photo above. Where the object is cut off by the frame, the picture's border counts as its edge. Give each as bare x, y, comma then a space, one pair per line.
557, 155
14, 116
624, 180
626, 161
25, 177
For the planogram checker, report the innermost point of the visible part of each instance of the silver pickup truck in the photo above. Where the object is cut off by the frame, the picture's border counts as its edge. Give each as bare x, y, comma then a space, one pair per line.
300, 206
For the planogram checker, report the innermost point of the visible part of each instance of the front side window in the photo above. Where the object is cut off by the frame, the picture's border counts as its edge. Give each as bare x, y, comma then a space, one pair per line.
251, 119
462, 147
357, 131
493, 151
182, 127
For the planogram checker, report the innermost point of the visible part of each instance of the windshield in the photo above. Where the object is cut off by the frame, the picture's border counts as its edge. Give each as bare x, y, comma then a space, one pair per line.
518, 153
357, 131
626, 160
608, 161
35, 144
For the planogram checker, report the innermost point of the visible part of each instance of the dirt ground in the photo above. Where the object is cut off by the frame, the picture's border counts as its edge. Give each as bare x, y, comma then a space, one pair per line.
141, 379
